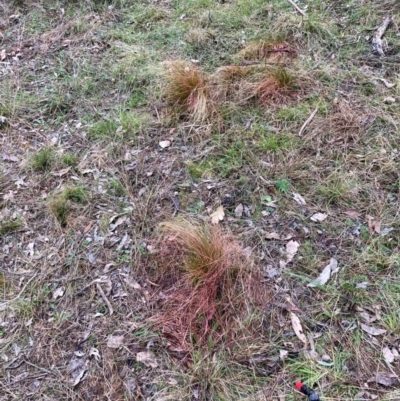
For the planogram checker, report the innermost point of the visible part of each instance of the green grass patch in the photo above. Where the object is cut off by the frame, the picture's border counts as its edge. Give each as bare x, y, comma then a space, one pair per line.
103, 130
43, 160
9, 226
61, 205
275, 142
115, 188
69, 159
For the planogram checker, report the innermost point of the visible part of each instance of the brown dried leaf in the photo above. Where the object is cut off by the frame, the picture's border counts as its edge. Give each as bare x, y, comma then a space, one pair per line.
385, 379
291, 250
298, 329
131, 282
353, 214
88, 227
373, 225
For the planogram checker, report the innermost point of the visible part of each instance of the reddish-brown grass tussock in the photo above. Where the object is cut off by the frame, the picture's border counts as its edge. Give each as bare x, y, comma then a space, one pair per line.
210, 286
187, 89
278, 87
270, 51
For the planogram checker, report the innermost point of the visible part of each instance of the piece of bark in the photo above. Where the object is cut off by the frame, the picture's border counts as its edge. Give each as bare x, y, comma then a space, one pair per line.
377, 39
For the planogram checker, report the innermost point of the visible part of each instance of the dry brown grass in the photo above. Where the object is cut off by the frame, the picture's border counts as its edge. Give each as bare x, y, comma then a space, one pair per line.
187, 89
228, 82
199, 37
209, 280
230, 73
269, 51
346, 123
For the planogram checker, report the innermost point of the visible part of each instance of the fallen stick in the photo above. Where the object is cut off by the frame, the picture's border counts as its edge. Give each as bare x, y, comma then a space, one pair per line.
297, 8
312, 115
105, 299
377, 39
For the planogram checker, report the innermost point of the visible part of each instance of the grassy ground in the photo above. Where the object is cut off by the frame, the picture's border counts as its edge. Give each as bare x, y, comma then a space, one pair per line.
86, 99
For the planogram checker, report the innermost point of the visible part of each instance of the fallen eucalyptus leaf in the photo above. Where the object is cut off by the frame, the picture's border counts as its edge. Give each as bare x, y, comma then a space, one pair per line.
299, 199
326, 273
389, 100
387, 83
388, 380
318, 217
62, 172
388, 355
78, 374
353, 214
372, 330
298, 329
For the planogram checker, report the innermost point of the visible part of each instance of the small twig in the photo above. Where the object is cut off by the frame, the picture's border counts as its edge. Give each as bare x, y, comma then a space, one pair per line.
8, 391
377, 39
38, 367
29, 378
95, 281
297, 8
158, 116
175, 201
4, 304
10, 364
268, 182
110, 308
312, 115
